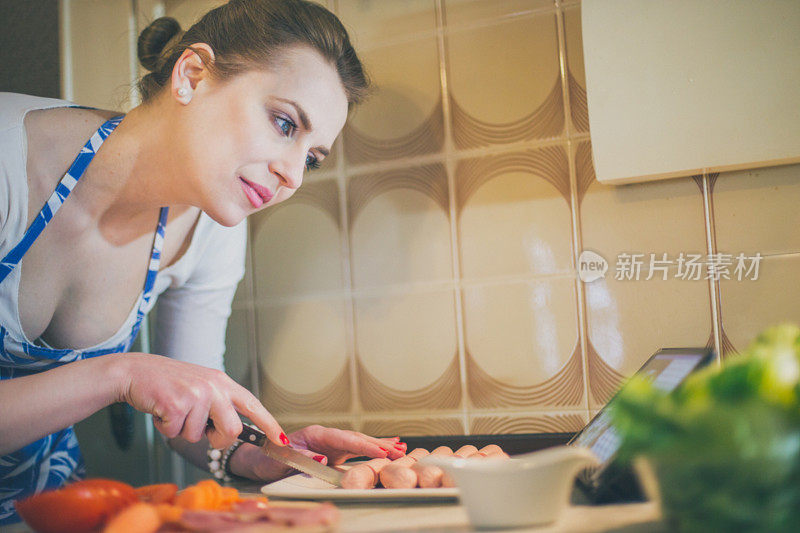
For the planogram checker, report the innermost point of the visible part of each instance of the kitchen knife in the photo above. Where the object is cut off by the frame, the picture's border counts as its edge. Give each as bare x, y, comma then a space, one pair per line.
288, 455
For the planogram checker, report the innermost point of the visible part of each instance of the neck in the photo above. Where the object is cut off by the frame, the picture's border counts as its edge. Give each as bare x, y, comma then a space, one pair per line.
134, 174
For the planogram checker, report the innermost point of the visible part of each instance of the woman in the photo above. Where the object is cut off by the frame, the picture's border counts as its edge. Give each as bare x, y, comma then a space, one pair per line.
234, 110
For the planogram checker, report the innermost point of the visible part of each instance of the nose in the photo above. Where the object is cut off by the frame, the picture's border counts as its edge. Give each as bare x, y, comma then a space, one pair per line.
289, 170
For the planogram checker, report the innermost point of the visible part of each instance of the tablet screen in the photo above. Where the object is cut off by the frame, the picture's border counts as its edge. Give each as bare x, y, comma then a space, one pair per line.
666, 369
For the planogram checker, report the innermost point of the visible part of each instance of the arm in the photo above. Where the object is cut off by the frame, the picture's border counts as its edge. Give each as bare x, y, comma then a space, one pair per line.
28, 409
180, 396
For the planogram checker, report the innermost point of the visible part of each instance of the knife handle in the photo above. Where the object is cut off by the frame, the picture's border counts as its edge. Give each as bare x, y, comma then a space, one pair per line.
249, 433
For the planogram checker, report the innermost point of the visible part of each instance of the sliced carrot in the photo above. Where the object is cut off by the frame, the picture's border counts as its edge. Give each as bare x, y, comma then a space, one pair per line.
205, 495
229, 496
213, 492
137, 518
169, 513
158, 493
192, 498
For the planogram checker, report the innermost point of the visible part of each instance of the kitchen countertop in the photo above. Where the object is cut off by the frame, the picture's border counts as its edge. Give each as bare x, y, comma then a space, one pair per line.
452, 517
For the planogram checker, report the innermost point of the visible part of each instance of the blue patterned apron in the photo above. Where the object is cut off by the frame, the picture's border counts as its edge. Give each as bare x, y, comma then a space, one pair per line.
55, 459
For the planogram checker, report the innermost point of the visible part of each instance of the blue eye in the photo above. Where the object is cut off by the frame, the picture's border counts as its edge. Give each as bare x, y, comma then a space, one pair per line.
286, 126
311, 162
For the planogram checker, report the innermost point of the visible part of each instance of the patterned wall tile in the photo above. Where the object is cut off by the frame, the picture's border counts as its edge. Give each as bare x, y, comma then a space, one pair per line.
522, 344
296, 245
403, 116
406, 352
480, 12
303, 361
752, 304
556, 422
627, 319
576, 79
372, 22
514, 214
99, 38
658, 217
499, 97
757, 210
412, 427
399, 227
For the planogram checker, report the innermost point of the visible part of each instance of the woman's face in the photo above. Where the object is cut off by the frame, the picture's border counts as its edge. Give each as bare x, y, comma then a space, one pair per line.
249, 139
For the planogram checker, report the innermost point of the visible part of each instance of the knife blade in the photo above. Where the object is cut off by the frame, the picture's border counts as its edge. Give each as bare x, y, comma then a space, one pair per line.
288, 455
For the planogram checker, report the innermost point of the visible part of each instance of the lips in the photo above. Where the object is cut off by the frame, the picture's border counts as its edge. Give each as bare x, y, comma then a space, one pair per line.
257, 194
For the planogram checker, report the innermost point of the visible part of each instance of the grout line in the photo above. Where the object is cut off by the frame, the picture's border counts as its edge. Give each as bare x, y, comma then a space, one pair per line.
713, 286
411, 288
65, 24
577, 234
451, 193
365, 43
781, 255
453, 154
347, 273
347, 281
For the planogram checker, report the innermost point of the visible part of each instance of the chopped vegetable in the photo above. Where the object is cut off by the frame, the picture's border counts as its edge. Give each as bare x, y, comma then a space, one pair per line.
726, 444
137, 518
159, 493
81, 506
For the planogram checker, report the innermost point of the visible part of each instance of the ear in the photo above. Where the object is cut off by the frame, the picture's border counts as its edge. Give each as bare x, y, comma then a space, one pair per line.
189, 71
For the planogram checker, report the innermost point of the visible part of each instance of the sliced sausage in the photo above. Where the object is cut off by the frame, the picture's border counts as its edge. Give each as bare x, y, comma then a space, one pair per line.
399, 474
430, 476
491, 450
365, 475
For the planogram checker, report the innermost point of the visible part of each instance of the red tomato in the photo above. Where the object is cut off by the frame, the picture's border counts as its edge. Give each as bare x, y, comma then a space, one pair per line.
117, 494
81, 506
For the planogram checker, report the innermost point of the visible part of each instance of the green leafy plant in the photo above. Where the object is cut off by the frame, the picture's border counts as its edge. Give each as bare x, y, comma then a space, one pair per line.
725, 445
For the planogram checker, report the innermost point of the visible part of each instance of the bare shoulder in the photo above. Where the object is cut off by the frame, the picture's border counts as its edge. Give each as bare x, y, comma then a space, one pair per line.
54, 138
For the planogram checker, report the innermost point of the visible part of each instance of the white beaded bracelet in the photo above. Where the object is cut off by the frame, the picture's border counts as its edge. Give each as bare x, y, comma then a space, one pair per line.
218, 460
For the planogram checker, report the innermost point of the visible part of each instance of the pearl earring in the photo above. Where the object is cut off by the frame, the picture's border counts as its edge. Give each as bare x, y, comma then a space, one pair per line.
182, 91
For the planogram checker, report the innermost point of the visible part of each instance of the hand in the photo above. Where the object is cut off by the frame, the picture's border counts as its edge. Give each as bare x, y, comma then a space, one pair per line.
183, 396
329, 446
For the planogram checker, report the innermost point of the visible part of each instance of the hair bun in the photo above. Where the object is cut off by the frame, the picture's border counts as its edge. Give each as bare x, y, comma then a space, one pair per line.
154, 39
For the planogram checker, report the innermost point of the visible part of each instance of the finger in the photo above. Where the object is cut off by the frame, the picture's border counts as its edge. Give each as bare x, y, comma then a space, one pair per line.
361, 444
169, 427
227, 424
314, 455
394, 449
248, 405
391, 443
194, 425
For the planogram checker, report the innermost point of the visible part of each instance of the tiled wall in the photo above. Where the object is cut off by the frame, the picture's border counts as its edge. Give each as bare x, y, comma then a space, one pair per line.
424, 280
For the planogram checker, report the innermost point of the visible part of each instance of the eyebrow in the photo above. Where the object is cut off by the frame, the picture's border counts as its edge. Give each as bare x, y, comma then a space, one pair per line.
304, 121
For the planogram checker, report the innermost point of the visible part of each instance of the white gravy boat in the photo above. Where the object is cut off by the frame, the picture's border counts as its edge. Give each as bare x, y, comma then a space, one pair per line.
529, 489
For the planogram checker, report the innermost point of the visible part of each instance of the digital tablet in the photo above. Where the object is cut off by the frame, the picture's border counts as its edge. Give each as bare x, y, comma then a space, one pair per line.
611, 481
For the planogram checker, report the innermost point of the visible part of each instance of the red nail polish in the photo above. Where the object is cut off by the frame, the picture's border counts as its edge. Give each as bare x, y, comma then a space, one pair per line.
401, 446
284, 439
319, 458
385, 450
